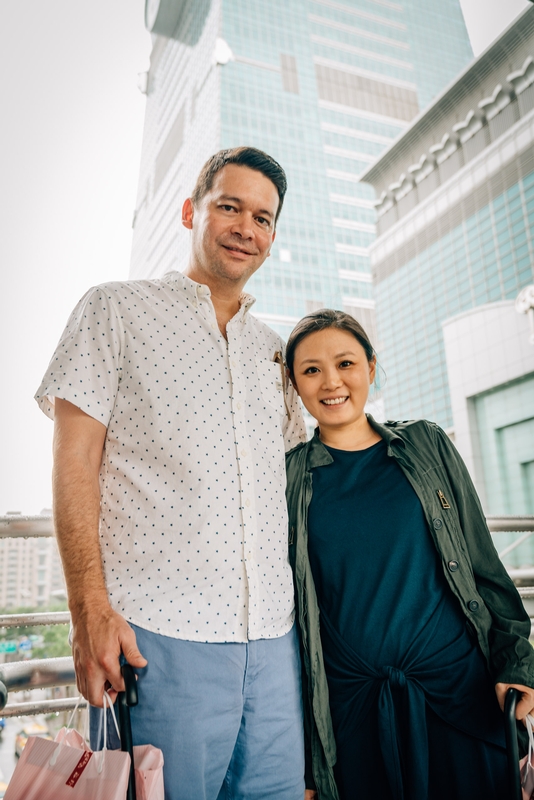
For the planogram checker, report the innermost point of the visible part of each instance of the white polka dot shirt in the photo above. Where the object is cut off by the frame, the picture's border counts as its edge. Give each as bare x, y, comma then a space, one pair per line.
193, 524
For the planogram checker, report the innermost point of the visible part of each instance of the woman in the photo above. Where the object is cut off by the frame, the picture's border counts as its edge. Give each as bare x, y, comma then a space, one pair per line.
411, 628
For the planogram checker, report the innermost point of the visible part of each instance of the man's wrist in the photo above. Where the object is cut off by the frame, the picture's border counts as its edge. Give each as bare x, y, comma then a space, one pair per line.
89, 606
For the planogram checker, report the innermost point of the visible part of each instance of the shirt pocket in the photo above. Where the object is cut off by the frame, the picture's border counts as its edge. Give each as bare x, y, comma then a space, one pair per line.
271, 386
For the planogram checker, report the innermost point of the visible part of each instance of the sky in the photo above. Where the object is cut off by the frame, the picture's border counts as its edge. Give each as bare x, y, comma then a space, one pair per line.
70, 144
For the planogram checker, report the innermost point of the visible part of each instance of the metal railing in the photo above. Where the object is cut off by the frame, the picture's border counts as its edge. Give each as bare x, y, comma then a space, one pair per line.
54, 672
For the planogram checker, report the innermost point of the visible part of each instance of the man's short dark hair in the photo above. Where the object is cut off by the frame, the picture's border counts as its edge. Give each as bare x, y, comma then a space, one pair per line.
249, 157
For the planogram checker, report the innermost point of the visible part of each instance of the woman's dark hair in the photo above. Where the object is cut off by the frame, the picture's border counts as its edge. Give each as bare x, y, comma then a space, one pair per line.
321, 320
249, 157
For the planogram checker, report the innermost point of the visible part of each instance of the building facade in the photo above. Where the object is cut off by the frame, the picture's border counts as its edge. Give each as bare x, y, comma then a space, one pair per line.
454, 247
31, 575
323, 86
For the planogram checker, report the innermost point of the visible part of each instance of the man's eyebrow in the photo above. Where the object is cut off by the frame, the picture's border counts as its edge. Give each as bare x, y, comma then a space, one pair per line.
263, 211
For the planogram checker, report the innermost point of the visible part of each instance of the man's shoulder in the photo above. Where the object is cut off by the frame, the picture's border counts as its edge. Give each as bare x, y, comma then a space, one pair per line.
133, 287
130, 294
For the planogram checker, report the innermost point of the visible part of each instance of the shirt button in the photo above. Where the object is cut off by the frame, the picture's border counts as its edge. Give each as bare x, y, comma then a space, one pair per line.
213, 326
238, 406
233, 363
453, 566
472, 605
243, 453
438, 523
247, 503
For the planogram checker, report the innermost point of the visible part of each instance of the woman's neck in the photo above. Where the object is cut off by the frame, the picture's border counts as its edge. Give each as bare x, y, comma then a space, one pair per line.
358, 436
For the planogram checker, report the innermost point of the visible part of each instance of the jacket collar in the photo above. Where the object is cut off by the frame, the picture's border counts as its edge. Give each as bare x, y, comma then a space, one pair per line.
318, 455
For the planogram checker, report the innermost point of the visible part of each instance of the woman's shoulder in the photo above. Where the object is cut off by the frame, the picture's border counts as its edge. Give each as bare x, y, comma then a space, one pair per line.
292, 454
416, 431
411, 427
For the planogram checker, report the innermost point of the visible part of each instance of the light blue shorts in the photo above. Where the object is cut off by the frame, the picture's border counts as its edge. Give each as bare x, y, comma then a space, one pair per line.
228, 717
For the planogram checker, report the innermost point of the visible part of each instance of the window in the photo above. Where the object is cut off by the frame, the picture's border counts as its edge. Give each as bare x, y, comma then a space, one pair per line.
290, 78
357, 91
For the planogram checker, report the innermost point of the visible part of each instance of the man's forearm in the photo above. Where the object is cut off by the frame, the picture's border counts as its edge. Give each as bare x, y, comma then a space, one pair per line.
76, 521
100, 634
76, 490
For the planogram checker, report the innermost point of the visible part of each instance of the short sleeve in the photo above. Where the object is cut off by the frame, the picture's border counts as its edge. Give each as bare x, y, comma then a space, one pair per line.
85, 368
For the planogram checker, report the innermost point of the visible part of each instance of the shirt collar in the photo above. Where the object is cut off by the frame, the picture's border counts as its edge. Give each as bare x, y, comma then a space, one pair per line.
318, 455
200, 291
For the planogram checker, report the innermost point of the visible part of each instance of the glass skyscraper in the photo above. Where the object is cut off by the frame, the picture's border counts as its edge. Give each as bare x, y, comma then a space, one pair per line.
454, 248
324, 87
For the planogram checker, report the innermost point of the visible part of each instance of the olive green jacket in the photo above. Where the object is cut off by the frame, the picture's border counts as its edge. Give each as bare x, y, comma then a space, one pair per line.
476, 576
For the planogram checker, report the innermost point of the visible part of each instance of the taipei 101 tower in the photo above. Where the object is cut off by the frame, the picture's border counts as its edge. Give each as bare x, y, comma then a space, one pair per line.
324, 86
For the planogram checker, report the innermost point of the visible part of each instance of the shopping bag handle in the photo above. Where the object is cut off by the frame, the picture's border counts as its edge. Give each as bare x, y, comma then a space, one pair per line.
514, 779
125, 700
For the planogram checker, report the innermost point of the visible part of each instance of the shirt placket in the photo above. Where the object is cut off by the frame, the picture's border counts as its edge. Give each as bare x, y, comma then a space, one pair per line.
245, 469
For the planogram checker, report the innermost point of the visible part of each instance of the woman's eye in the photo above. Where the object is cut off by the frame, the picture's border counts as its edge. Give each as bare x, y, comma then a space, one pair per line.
346, 364
311, 371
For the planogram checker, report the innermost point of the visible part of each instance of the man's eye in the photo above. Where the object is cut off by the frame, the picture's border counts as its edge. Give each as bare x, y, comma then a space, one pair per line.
265, 222
227, 208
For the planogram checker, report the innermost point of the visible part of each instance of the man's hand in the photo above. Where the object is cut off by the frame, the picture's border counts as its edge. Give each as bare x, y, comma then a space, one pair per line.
524, 706
310, 794
99, 638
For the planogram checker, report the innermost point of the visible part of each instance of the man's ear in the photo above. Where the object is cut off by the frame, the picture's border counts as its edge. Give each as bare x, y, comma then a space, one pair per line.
188, 211
272, 240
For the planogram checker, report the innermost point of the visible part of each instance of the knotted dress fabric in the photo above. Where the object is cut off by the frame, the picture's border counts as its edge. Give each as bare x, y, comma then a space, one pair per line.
394, 637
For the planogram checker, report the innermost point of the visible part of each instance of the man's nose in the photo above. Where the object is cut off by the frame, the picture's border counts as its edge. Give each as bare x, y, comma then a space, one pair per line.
243, 226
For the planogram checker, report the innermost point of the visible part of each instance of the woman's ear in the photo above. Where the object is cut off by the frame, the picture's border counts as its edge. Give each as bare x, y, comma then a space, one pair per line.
372, 369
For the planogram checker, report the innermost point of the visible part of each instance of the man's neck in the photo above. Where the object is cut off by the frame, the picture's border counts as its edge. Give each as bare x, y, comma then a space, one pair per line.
225, 297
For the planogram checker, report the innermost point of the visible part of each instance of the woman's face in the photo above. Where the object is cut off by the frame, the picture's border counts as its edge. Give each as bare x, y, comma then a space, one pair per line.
332, 376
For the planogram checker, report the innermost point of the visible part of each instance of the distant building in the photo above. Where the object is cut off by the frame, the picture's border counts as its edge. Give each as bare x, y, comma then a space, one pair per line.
322, 85
454, 247
30, 569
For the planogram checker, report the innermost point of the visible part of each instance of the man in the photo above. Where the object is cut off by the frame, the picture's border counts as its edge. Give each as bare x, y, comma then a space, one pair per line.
171, 414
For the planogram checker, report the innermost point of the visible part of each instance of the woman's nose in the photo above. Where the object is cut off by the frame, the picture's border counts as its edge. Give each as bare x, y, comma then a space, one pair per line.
331, 379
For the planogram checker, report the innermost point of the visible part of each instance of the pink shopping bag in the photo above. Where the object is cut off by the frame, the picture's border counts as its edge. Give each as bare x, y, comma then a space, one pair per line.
526, 765
148, 765
66, 769
56, 771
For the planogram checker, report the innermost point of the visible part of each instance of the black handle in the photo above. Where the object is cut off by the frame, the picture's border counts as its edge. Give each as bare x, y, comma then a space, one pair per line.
125, 700
514, 779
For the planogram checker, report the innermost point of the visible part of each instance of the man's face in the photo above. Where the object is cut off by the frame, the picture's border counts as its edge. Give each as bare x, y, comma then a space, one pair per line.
232, 226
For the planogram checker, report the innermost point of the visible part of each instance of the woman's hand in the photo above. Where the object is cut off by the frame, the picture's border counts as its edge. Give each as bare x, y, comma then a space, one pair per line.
525, 704
310, 794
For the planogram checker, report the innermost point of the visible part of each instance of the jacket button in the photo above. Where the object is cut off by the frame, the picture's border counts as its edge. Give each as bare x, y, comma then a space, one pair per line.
438, 523
472, 605
453, 566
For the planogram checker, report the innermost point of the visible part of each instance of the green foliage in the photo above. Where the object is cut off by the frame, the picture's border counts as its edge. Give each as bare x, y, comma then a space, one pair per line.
55, 638
55, 644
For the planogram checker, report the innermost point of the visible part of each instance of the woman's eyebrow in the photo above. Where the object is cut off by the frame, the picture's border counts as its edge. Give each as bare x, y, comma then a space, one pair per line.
315, 360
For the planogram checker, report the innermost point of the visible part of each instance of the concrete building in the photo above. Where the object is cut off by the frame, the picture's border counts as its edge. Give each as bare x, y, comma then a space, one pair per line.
30, 568
454, 247
322, 85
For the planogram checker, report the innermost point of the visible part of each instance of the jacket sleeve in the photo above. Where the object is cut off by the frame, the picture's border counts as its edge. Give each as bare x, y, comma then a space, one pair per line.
511, 654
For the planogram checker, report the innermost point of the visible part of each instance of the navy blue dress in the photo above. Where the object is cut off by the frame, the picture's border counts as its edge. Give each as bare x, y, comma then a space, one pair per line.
413, 706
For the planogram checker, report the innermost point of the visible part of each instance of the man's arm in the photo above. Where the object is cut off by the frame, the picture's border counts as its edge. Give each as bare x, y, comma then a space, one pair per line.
99, 633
